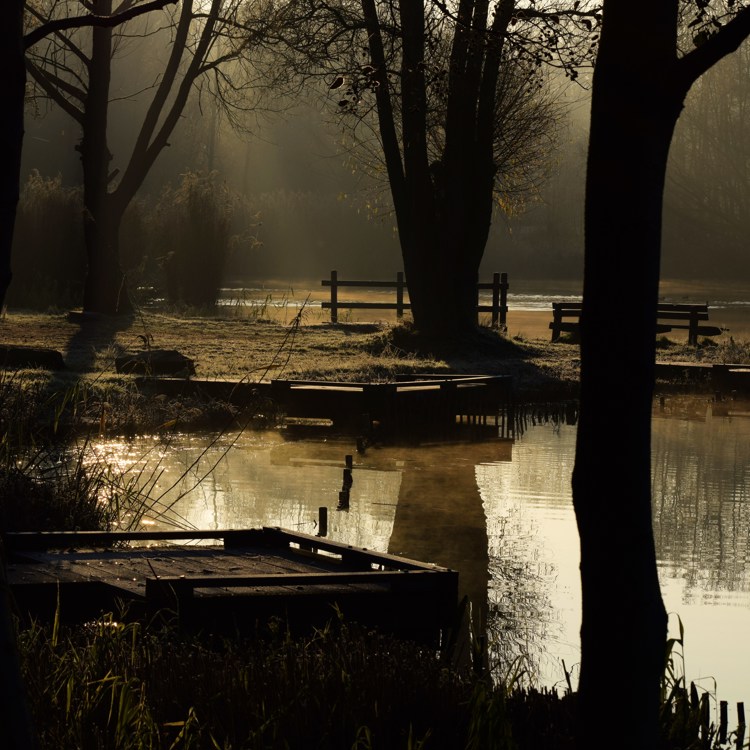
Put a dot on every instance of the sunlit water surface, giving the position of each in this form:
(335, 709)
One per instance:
(501, 514)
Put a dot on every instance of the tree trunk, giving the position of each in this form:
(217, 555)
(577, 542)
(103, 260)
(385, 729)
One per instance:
(623, 630)
(443, 210)
(17, 728)
(104, 288)
(13, 64)
(442, 290)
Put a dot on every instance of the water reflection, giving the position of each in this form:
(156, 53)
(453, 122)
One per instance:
(533, 550)
(506, 525)
(701, 509)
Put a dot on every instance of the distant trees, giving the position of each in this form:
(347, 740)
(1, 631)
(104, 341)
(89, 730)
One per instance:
(707, 199)
(641, 80)
(461, 123)
(211, 50)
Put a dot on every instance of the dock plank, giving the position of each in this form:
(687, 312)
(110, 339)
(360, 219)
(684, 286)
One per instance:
(254, 576)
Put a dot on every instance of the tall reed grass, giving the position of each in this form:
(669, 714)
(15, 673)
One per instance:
(115, 685)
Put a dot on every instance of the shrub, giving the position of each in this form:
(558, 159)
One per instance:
(193, 224)
(49, 260)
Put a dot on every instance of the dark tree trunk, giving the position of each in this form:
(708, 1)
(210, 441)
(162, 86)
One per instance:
(14, 69)
(104, 289)
(623, 633)
(443, 210)
(15, 721)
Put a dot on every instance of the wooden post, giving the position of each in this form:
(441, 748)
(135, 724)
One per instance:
(740, 725)
(334, 297)
(504, 301)
(693, 331)
(322, 521)
(723, 720)
(556, 321)
(495, 299)
(400, 295)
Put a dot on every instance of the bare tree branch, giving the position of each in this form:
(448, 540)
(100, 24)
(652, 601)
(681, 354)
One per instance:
(76, 22)
(718, 45)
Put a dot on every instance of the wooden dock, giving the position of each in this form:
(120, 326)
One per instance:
(438, 405)
(239, 585)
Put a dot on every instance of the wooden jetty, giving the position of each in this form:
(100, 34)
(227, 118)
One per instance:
(240, 585)
(438, 405)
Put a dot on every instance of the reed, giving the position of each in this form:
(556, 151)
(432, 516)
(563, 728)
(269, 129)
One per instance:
(115, 685)
(112, 685)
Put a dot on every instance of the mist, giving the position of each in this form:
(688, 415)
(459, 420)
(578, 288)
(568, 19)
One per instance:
(314, 208)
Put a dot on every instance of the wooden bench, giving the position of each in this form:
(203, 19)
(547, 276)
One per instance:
(567, 317)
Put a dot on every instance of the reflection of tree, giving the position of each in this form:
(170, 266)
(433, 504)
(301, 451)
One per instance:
(701, 510)
(439, 518)
(519, 611)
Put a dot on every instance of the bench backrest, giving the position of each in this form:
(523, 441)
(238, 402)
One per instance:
(664, 310)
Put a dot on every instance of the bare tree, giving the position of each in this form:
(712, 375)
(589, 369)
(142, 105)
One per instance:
(641, 79)
(213, 48)
(13, 43)
(461, 118)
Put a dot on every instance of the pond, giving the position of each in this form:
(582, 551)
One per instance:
(500, 513)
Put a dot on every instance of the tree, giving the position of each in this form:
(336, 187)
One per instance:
(640, 82)
(13, 43)
(459, 119)
(209, 50)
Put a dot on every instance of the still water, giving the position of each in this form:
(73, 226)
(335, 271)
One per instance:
(501, 514)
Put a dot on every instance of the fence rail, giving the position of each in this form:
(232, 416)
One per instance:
(498, 306)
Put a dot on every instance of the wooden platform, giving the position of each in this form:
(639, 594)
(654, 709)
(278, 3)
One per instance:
(434, 404)
(237, 586)
(423, 404)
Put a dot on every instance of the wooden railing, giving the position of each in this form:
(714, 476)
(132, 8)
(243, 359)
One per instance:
(498, 306)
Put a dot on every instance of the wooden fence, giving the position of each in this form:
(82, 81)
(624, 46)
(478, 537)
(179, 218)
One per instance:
(498, 307)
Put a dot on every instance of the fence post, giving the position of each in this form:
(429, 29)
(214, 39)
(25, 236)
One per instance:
(504, 301)
(334, 297)
(499, 300)
(495, 298)
(400, 294)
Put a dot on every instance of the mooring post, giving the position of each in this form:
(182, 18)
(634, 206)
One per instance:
(723, 722)
(348, 480)
(740, 725)
(322, 521)
(334, 297)
(400, 294)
